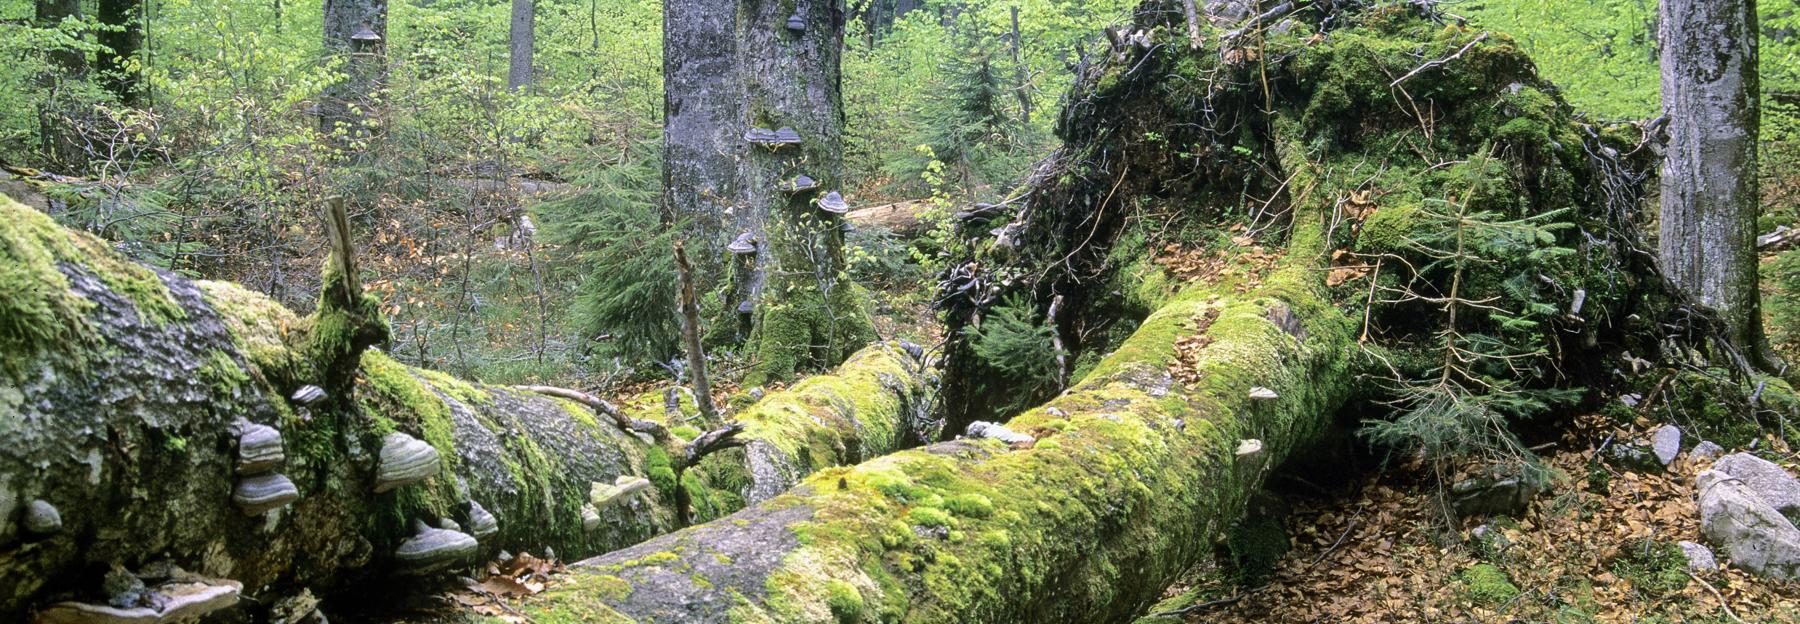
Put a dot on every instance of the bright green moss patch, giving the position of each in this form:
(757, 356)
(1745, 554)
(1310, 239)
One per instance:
(845, 602)
(1488, 585)
(930, 517)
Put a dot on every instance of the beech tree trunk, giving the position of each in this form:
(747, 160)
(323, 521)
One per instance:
(56, 134)
(524, 18)
(736, 67)
(121, 390)
(347, 102)
(126, 16)
(1710, 95)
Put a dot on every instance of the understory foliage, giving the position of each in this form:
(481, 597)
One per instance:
(1020, 346)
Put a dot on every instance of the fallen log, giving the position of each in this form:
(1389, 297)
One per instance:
(1129, 478)
(161, 419)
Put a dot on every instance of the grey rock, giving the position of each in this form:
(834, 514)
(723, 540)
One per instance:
(1490, 495)
(1666, 443)
(260, 493)
(1750, 532)
(430, 550)
(1706, 450)
(1770, 482)
(42, 518)
(1699, 557)
(1633, 457)
(259, 449)
(482, 524)
(405, 460)
(123, 589)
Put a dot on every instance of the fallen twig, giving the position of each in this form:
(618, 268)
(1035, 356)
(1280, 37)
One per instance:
(1715, 593)
(601, 406)
(1439, 62)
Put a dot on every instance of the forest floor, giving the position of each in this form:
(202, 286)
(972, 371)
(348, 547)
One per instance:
(1598, 546)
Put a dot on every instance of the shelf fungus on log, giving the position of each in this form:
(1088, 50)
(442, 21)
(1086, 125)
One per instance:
(993, 431)
(834, 203)
(773, 139)
(260, 493)
(405, 460)
(796, 23)
(176, 601)
(590, 517)
(259, 449)
(308, 395)
(433, 549)
(744, 244)
(800, 184)
(482, 523)
(1263, 394)
(42, 518)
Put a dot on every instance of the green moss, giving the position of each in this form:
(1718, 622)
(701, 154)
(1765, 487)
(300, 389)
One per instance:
(1256, 546)
(930, 517)
(1488, 585)
(1655, 568)
(1388, 229)
(845, 602)
(969, 505)
(38, 311)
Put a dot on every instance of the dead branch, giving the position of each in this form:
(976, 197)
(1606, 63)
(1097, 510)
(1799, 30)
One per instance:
(1439, 62)
(603, 407)
(690, 334)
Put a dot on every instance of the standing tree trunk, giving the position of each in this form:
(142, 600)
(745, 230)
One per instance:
(518, 73)
(56, 132)
(754, 103)
(122, 44)
(357, 31)
(1709, 187)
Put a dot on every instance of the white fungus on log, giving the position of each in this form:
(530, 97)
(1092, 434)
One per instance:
(259, 449)
(405, 460)
(482, 524)
(1263, 394)
(602, 495)
(430, 549)
(181, 601)
(834, 203)
(42, 518)
(308, 395)
(984, 429)
(260, 493)
(590, 517)
(744, 244)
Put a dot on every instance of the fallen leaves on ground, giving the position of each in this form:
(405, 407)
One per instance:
(1384, 555)
(507, 581)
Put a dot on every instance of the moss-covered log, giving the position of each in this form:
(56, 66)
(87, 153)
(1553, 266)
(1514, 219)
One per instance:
(123, 391)
(1131, 475)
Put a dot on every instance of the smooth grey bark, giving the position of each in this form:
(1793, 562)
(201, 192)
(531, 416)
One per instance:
(348, 101)
(1710, 95)
(524, 18)
(729, 68)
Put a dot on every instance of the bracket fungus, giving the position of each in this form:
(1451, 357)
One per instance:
(405, 460)
(796, 23)
(590, 517)
(482, 524)
(259, 449)
(430, 549)
(180, 601)
(1263, 394)
(365, 35)
(834, 203)
(744, 244)
(773, 139)
(746, 306)
(800, 184)
(261, 493)
(42, 518)
(308, 395)
(602, 495)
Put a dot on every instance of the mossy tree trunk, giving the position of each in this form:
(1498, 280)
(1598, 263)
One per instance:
(1710, 203)
(121, 389)
(732, 68)
(1131, 477)
(355, 32)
